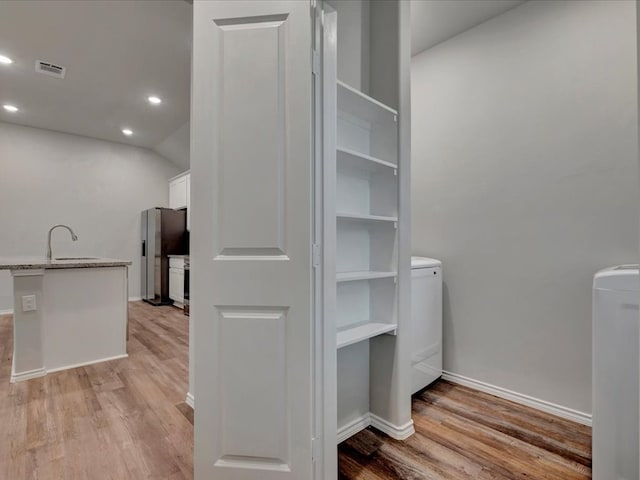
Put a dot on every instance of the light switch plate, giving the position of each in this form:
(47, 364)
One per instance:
(29, 303)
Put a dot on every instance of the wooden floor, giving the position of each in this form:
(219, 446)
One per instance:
(119, 420)
(465, 434)
(127, 419)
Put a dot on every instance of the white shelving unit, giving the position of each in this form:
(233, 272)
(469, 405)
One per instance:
(363, 332)
(362, 161)
(354, 276)
(366, 219)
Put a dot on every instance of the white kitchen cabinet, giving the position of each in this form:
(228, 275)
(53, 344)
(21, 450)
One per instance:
(180, 194)
(300, 153)
(179, 191)
(176, 281)
(176, 286)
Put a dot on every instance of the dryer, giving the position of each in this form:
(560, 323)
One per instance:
(426, 322)
(615, 373)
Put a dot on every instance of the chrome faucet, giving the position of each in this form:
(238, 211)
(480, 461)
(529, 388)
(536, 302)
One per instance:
(74, 237)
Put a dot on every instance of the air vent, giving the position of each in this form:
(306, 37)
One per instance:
(51, 69)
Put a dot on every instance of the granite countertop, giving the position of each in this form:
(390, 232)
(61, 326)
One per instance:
(33, 263)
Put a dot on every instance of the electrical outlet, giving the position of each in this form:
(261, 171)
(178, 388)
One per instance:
(29, 303)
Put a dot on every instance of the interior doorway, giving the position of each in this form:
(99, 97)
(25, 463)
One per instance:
(93, 129)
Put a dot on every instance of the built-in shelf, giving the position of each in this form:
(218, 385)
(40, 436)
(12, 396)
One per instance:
(362, 332)
(346, 156)
(368, 218)
(367, 186)
(367, 275)
(361, 105)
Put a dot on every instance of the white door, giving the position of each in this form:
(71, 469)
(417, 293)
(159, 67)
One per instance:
(251, 177)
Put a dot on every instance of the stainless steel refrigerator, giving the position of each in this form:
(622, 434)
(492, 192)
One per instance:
(164, 232)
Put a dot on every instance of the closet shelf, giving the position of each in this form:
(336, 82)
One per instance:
(362, 106)
(366, 275)
(346, 156)
(363, 332)
(369, 218)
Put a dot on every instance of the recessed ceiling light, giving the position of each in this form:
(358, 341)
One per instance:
(10, 108)
(5, 60)
(154, 100)
(128, 132)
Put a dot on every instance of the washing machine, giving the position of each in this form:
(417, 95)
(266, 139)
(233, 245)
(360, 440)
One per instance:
(615, 373)
(426, 322)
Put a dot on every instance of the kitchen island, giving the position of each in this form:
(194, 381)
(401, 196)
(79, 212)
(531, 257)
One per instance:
(67, 313)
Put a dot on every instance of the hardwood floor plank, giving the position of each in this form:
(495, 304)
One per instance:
(350, 468)
(505, 423)
(465, 434)
(36, 414)
(459, 465)
(557, 428)
(114, 420)
(517, 456)
(421, 460)
(385, 460)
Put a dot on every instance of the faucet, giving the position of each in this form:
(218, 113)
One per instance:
(74, 237)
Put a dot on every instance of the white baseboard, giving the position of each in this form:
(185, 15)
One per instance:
(20, 377)
(401, 432)
(41, 372)
(190, 400)
(353, 427)
(369, 419)
(542, 405)
(84, 364)
(135, 299)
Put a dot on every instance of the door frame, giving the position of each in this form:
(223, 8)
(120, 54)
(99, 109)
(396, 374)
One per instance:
(324, 34)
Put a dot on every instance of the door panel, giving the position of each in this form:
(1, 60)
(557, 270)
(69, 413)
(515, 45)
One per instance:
(248, 435)
(252, 217)
(251, 302)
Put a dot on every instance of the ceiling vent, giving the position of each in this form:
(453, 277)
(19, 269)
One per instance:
(51, 69)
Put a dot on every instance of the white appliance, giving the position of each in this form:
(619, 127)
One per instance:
(426, 322)
(615, 373)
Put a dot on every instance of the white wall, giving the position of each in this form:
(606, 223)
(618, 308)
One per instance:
(176, 146)
(97, 187)
(353, 38)
(525, 183)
